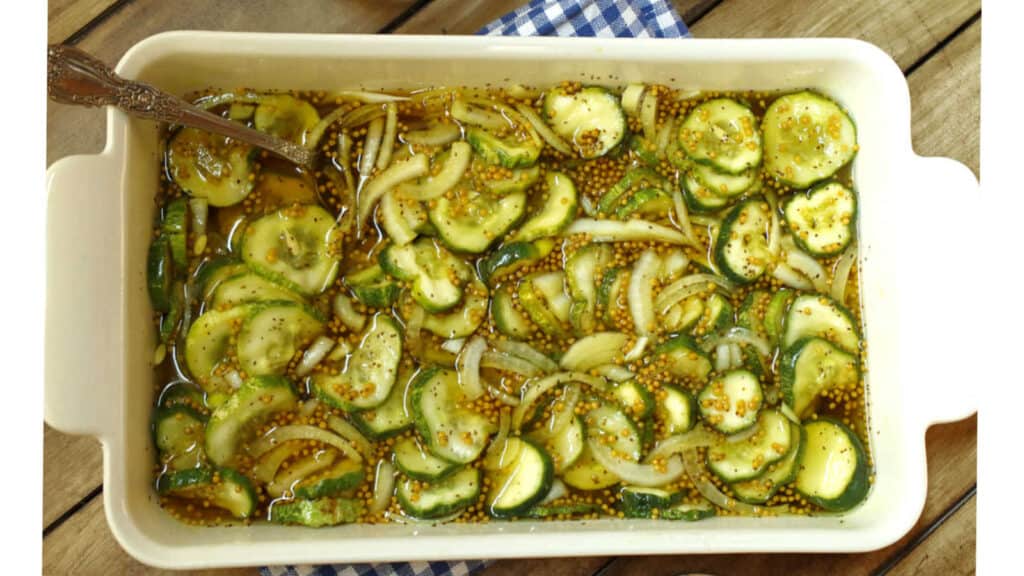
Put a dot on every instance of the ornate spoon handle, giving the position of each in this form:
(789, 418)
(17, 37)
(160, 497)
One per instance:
(75, 77)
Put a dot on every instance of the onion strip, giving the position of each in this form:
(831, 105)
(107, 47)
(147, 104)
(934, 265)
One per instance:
(699, 437)
(723, 359)
(398, 172)
(349, 432)
(313, 355)
(740, 335)
(494, 456)
(298, 471)
(345, 311)
(437, 135)
(468, 365)
(200, 209)
(649, 115)
(687, 286)
(509, 363)
(628, 231)
(534, 389)
(614, 372)
(775, 229)
(691, 461)
(641, 292)
(383, 487)
(303, 432)
(683, 216)
(265, 470)
(387, 144)
(637, 474)
(841, 273)
(561, 418)
(545, 131)
(783, 273)
(311, 138)
(362, 115)
(371, 145)
(365, 96)
(526, 352)
(502, 396)
(803, 262)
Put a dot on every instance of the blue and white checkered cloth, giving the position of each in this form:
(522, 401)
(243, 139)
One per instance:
(602, 18)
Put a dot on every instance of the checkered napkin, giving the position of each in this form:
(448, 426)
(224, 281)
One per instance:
(604, 18)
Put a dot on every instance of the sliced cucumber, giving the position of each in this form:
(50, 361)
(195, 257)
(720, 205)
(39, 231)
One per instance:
(317, 513)
(214, 271)
(286, 117)
(441, 498)
(582, 270)
(683, 358)
(724, 184)
(185, 394)
(391, 417)
(722, 133)
(822, 220)
(759, 490)
(249, 287)
(170, 321)
(208, 344)
(373, 287)
(640, 502)
(562, 510)
(221, 487)
(612, 302)
(507, 318)
(819, 316)
(273, 333)
(471, 221)
(608, 424)
(178, 434)
(453, 164)
(437, 276)
(752, 312)
(700, 198)
(521, 483)
(807, 138)
(645, 202)
(688, 512)
(813, 366)
(160, 273)
(675, 410)
(463, 320)
(343, 476)
(401, 217)
(511, 257)
(634, 179)
(683, 317)
(542, 296)
(256, 400)
(566, 446)
(731, 403)
(557, 212)
(748, 458)
(211, 166)
(634, 398)
(175, 228)
(775, 313)
(594, 350)
(833, 471)
(415, 461)
(298, 246)
(510, 151)
(591, 119)
(520, 180)
(741, 251)
(452, 432)
(369, 372)
(717, 315)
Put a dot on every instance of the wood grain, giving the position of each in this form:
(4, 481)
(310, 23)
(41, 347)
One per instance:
(949, 550)
(907, 29)
(84, 546)
(72, 130)
(72, 468)
(65, 17)
(945, 96)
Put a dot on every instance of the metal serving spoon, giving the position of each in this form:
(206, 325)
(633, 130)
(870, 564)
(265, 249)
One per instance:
(75, 77)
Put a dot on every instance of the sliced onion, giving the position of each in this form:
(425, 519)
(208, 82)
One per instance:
(414, 323)
(349, 432)
(309, 407)
(453, 345)
(341, 349)
(691, 460)
(632, 96)
(493, 457)
(594, 350)
(368, 97)
(371, 146)
(298, 471)
(234, 379)
(641, 292)
(313, 355)
(736, 354)
(311, 138)
(438, 134)
(346, 312)
(708, 221)
(775, 230)
(740, 335)
(588, 205)
(637, 350)
(398, 172)
(362, 115)
(783, 273)
(549, 136)
(841, 273)
(267, 467)
(628, 231)
(649, 115)
(534, 389)
(200, 209)
(557, 491)
(399, 518)
(342, 161)
(303, 432)
(632, 472)
(561, 419)
(722, 358)
(387, 143)
(526, 352)
(468, 364)
(741, 435)
(699, 437)
(383, 487)
(614, 372)
(685, 287)
(480, 112)
(666, 134)
(788, 413)
(804, 263)
(502, 396)
(682, 215)
(509, 363)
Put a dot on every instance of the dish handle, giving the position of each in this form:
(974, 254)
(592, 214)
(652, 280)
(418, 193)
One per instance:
(83, 294)
(941, 340)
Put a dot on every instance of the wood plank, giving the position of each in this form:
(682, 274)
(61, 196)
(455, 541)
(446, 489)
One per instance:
(468, 16)
(72, 468)
(949, 550)
(946, 101)
(952, 470)
(906, 29)
(84, 545)
(65, 17)
(73, 130)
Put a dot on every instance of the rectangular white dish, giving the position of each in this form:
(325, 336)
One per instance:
(99, 334)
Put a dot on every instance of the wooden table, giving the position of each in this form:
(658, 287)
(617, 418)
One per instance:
(936, 42)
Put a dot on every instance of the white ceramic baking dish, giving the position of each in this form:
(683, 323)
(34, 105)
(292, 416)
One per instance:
(99, 337)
